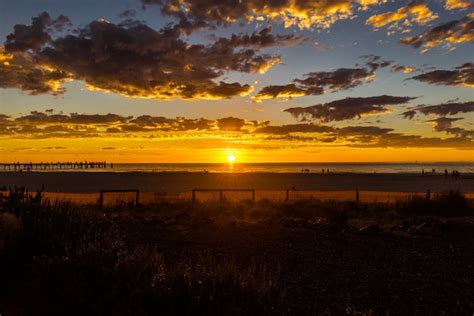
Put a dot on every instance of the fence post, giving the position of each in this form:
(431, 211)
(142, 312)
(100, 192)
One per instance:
(357, 195)
(253, 195)
(221, 196)
(101, 199)
(194, 196)
(287, 194)
(428, 194)
(137, 196)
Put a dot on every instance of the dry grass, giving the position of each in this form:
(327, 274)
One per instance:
(67, 244)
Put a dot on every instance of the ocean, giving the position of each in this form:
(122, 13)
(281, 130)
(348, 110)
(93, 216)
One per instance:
(439, 167)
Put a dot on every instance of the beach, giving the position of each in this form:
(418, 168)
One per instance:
(171, 182)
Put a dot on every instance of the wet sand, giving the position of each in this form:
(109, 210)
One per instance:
(88, 182)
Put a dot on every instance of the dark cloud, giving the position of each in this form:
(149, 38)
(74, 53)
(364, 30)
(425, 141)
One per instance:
(135, 60)
(441, 109)
(261, 39)
(34, 36)
(295, 128)
(449, 33)
(317, 83)
(460, 76)
(230, 124)
(441, 124)
(348, 108)
(22, 72)
(444, 124)
(374, 62)
(73, 118)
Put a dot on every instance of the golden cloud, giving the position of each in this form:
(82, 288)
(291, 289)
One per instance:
(301, 13)
(414, 12)
(458, 4)
(449, 33)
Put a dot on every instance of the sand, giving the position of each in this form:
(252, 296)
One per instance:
(88, 182)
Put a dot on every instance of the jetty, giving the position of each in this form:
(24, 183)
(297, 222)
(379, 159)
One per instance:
(19, 166)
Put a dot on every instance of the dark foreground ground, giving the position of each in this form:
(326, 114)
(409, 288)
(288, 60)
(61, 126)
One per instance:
(304, 257)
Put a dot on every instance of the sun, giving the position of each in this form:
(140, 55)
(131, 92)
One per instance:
(230, 158)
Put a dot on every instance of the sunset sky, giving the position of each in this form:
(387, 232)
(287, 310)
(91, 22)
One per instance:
(266, 81)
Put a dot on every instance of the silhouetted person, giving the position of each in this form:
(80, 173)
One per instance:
(294, 189)
(445, 173)
(111, 165)
(322, 171)
(434, 171)
(422, 172)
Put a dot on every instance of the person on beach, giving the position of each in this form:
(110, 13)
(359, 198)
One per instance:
(445, 173)
(422, 172)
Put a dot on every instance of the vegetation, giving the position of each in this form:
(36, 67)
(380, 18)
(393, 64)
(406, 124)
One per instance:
(79, 260)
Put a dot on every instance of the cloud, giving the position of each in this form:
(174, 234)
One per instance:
(444, 124)
(295, 128)
(73, 118)
(448, 33)
(88, 125)
(238, 131)
(301, 13)
(54, 148)
(134, 60)
(458, 4)
(375, 62)
(441, 109)
(261, 39)
(462, 76)
(317, 83)
(401, 68)
(20, 71)
(230, 124)
(441, 124)
(415, 11)
(34, 36)
(346, 109)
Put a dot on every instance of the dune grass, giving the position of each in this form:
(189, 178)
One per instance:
(82, 264)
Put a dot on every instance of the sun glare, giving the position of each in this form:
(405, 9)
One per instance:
(231, 158)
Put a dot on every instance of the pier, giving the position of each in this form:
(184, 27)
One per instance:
(19, 166)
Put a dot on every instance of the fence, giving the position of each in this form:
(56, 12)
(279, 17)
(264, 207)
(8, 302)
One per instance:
(110, 197)
(221, 192)
(102, 192)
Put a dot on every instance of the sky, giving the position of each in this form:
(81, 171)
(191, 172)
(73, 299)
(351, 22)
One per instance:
(265, 81)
